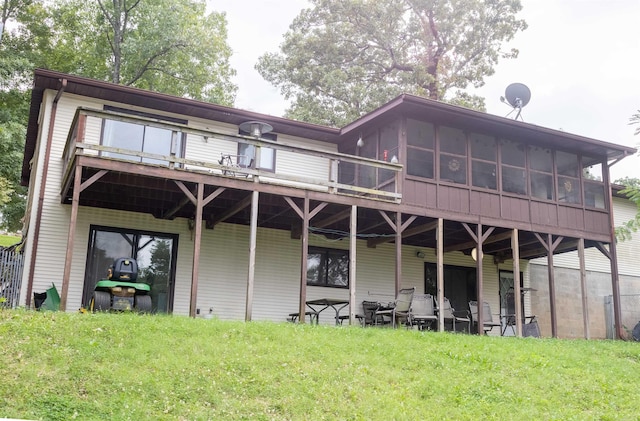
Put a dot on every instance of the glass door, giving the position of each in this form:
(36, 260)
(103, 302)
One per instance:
(154, 252)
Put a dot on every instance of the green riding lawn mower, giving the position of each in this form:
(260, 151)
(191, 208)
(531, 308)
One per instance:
(120, 291)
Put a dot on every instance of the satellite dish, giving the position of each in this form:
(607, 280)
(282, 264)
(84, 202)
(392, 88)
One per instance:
(517, 95)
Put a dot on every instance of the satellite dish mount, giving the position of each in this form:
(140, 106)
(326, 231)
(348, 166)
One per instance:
(517, 95)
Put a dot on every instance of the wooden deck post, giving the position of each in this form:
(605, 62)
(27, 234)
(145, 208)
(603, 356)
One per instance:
(440, 270)
(253, 234)
(352, 263)
(583, 289)
(515, 250)
(196, 250)
(303, 262)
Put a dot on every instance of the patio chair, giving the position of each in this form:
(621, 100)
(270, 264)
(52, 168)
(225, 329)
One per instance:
(452, 316)
(399, 310)
(488, 323)
(529, 323)
(369, 309)
(422, 313)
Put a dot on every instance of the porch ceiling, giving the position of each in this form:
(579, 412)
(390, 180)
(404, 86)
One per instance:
(162, 198)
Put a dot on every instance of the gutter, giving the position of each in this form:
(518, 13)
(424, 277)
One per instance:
(45, 167)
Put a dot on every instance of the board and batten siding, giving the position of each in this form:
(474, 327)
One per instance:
(628, 251)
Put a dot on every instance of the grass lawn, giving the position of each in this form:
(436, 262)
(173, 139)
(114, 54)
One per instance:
(8, 240)
(59, 366)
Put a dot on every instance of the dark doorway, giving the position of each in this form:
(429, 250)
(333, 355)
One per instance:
(459, 284)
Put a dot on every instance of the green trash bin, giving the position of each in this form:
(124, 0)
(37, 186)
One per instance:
(49, 300)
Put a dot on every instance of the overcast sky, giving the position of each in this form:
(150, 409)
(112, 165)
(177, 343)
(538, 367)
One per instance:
(579, 58)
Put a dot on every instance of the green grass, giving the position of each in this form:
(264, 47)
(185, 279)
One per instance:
(8, 240)
(58, 366)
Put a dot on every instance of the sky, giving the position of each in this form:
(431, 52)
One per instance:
(579, 58)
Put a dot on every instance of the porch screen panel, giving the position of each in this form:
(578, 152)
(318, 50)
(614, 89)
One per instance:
(541, 164)
(453, 155)
(483, 161)
(420, 142)
(514, 176)
(593, 185)
(568, 181)
(367, 173)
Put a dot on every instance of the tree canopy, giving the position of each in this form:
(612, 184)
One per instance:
(169, 46)
(343, 58)
(632, 190)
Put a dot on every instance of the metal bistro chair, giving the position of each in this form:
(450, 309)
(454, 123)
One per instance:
(488, 323)
(369, 317)
(451, 315)
(400, 308)
(422, 313)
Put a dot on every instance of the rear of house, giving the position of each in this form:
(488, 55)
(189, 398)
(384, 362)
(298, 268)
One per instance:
(248, 216)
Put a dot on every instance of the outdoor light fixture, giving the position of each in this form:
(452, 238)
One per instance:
(474, 254)
(256, 128)
(420, 254)
(360, 142)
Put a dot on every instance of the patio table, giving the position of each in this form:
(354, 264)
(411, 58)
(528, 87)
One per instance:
(321, 304)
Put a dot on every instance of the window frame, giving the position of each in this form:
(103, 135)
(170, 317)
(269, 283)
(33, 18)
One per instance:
(325, 261)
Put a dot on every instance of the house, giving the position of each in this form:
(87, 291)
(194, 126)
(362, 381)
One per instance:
(247, 216)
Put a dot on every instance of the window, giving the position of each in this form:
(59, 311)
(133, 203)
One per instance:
(514, 176)
(483, 161)
(541, 164)
(328, 267)
(247, 154)
(420, 141)
(141, 138)
(453, 155)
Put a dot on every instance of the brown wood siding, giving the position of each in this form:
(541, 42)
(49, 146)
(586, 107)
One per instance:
(595, 221)
(544, 213)
(515, 209)
(570, 217)
(453, 199)
(417, 193)
(485, 204)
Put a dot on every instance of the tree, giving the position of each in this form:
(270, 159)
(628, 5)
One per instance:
(169, 46)
(343, 58)
(632, 190)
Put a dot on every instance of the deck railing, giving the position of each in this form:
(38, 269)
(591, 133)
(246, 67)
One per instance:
(83, 138)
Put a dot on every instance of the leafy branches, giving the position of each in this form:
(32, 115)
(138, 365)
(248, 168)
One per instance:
(341, 59)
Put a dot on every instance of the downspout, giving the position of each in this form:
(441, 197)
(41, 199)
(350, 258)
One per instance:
(45, 166)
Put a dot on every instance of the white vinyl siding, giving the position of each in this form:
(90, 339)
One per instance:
(628, 251)
(222, 283)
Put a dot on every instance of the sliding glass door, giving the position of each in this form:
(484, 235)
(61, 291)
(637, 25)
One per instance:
(154, 252)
